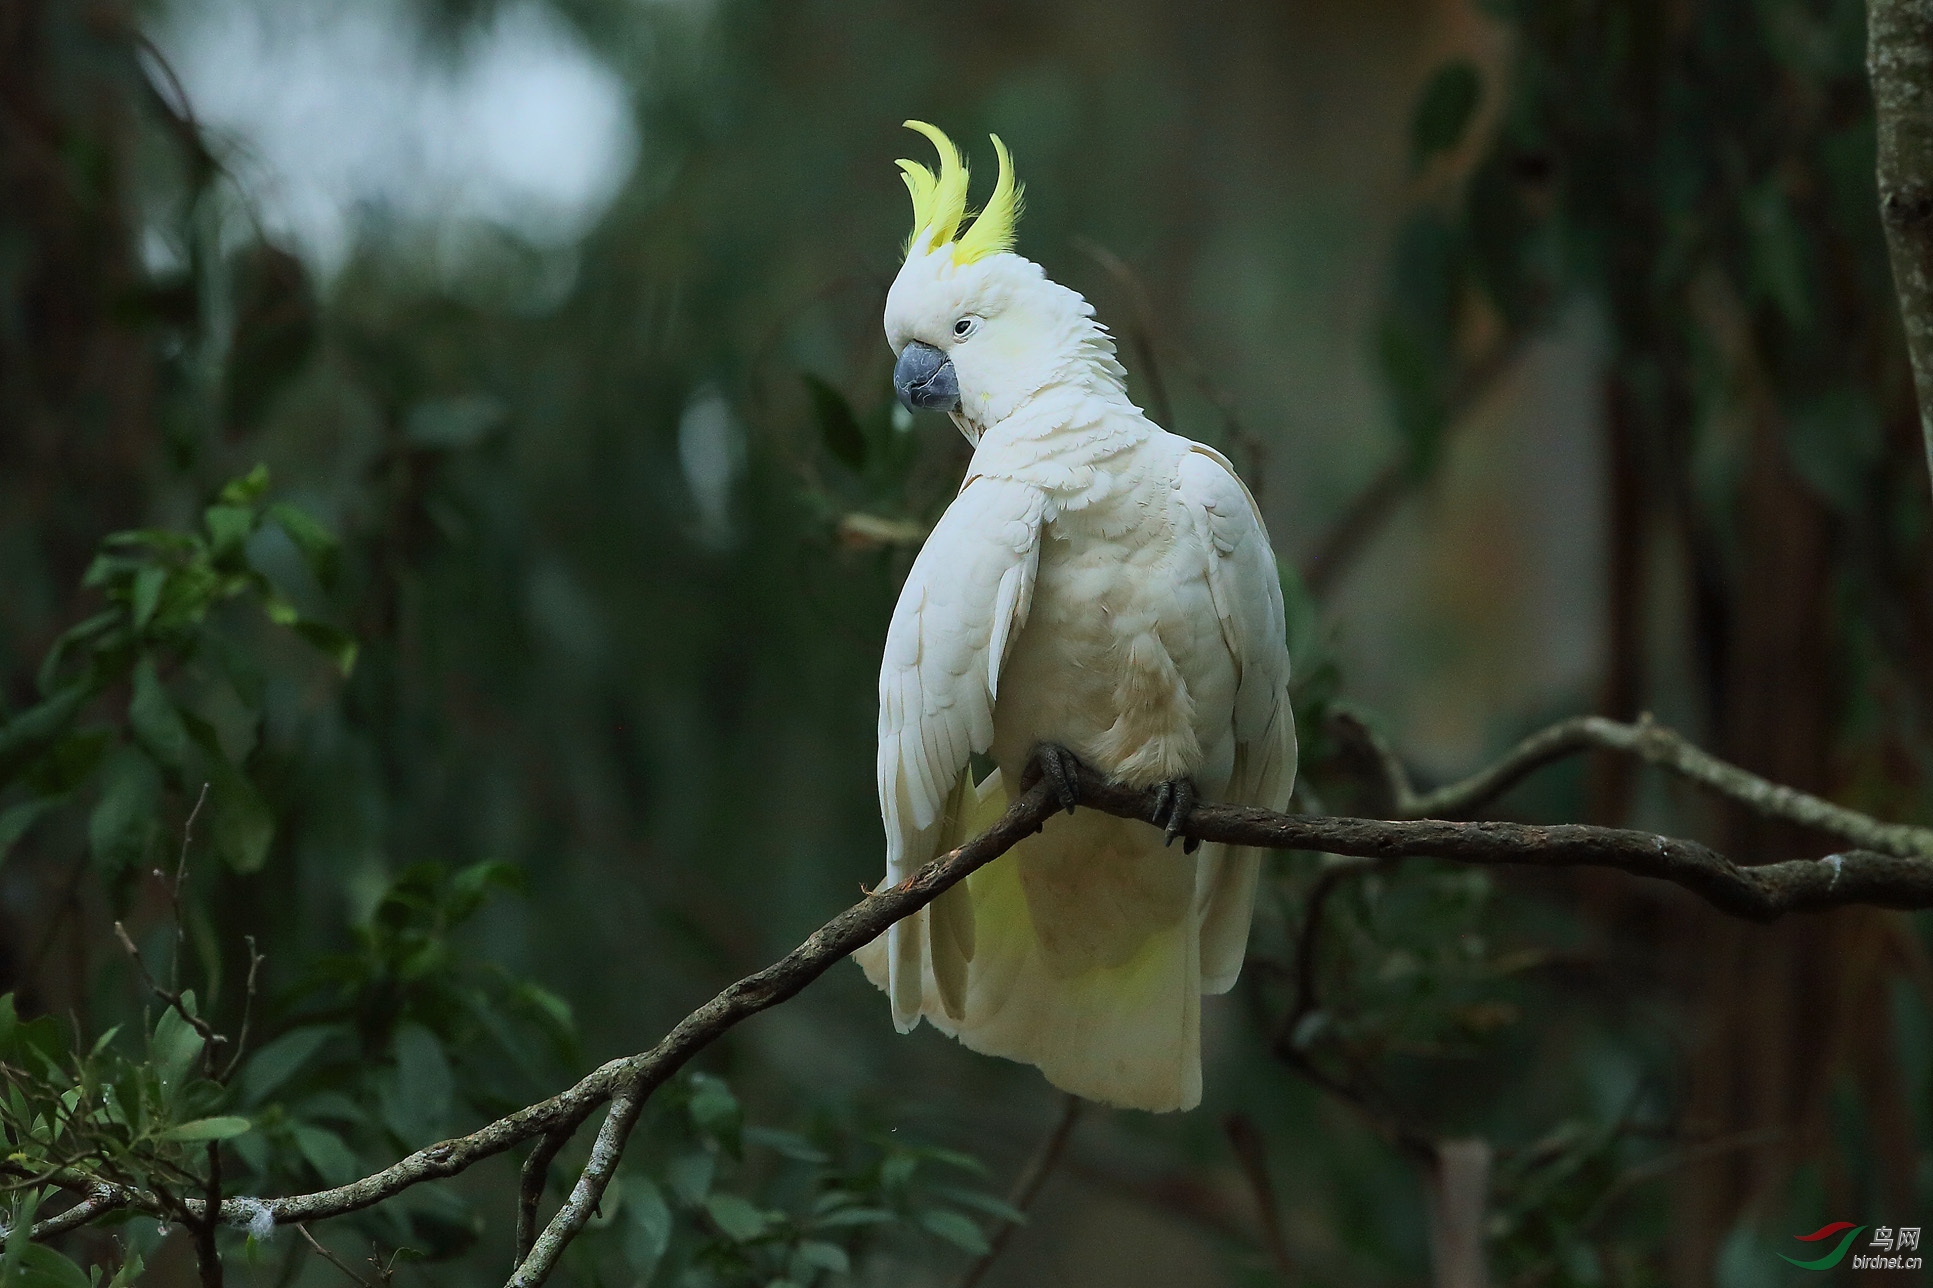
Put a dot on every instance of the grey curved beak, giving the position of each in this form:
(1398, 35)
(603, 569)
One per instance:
(924, 377)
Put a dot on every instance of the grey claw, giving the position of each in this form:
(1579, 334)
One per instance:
(1176, 801)
(1058, 767)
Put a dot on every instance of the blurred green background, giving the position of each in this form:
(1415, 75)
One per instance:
(1555, 336)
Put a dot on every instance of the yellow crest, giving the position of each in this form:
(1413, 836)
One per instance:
(939, 204)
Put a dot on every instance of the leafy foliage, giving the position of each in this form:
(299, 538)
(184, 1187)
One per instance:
(709, 1201)
(165, 643)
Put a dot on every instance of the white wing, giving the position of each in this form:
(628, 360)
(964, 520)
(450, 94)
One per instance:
(959, 613)
(1247, 594)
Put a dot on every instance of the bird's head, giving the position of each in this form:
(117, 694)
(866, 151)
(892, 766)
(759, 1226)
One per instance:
(977, 329)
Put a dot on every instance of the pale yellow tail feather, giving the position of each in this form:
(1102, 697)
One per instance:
(1229, 875)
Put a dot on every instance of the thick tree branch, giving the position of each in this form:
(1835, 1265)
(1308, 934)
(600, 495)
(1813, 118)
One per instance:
(1762, 893)
(851, 929)
(606, 1153)
(1899, 58)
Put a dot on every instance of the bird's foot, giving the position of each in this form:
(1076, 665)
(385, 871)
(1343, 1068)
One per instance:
(1174, 801)
(1062, 770)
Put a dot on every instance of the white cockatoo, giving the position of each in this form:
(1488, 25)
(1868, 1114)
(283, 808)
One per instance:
(1100, 588)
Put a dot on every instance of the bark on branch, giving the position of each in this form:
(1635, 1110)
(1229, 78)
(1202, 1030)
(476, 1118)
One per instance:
(1899, 58)
(1900, 877)
(1655, 744)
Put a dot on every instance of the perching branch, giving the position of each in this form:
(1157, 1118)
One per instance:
(1899, 58)
(1902, 877)
(1657, 745)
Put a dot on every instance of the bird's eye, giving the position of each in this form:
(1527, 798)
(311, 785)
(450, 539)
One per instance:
(965, 327)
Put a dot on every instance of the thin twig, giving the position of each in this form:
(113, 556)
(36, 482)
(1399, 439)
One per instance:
(530, 1188)
(332, 1258)
(1658, 745)
(1027, 1188)
(255, 960)
(1251, 1151)
(174, 891)
(169, 997)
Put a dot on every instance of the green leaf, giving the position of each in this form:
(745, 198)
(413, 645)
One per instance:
(956, 1228)
(716, 1113)
(690, 1175)
(854, 1216)
(145, 596)
(1445, 109)
(156, 722)
(648, 1223)
(175, 1048)
(240, 824)
(28, 733)
(838, 426)
(339, 645)
(219, 1128)
(982, 1202)
(39, 1266)
(736, 1218)
(789, 1144)
(275, 1063)
(326, 1153)
(815, 1255)
(130, 1271)
(896, 1173)
(319, 547)
(125, 819)
(418, 1092)
(246, 489)
(17, 819)
(965, 1162)
(229, 527)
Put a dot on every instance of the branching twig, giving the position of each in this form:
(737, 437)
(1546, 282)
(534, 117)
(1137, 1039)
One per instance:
(255, 960)
(530, 1189)
(606, 1152)
(1657, 745)
(1026, 1189)
(1755, 893)
(171, 998)
(332, 1258)
(174, 892)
